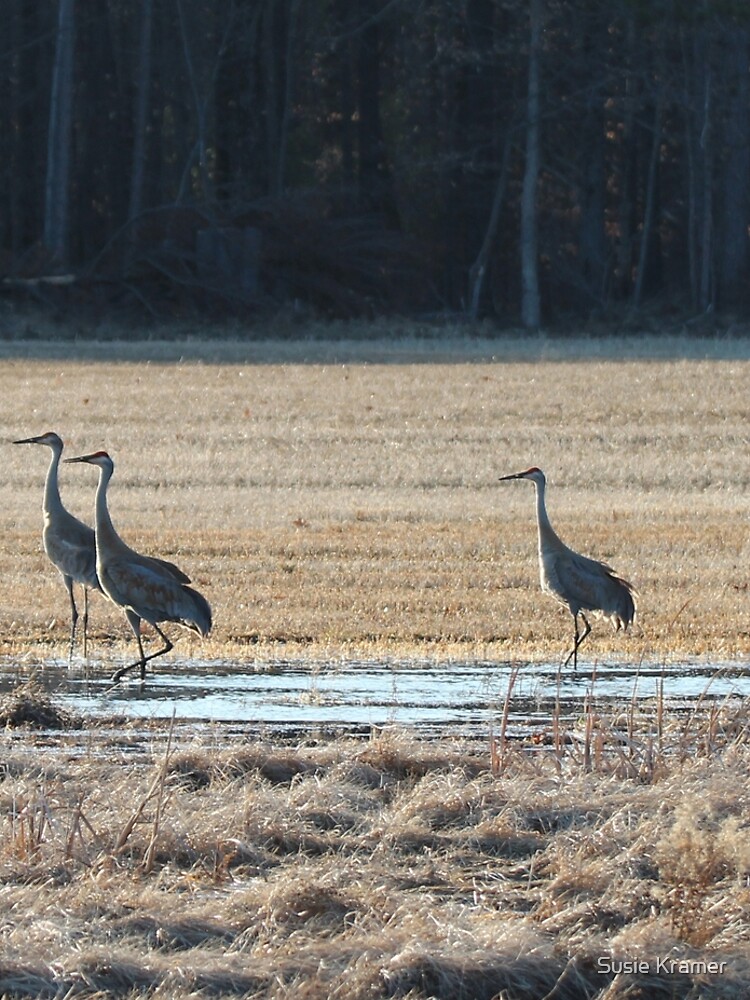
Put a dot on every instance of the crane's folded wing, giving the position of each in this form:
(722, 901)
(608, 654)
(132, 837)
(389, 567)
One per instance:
(148, 589)
(72, 559)
(589, 585)
(169, 567)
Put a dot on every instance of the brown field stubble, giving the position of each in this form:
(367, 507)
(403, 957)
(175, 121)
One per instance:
(340, 502)
(347, 505)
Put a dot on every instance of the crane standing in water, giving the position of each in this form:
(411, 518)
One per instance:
(148, 589)
(68, 542)
(580, 583)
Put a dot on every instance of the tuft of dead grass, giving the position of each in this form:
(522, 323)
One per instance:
(28, 705)
(440, 878)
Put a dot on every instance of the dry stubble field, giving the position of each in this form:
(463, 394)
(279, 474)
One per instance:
(341, 498)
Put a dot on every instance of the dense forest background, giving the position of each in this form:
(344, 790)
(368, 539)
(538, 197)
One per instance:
(534, 161)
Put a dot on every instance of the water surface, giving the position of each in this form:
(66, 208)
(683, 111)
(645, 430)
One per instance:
(360, 695)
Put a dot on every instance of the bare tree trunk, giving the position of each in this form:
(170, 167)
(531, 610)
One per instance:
(202, 69)
(140, 122)
(376, 191)
(279, 34)
(688, 75)
(59, 137)
(200, 105)
(15, 159)
(731, 278)
(286, 109)
(627, 180)
(648, 213)
(705, 286)
(530, 306)
(270, 96)
(478, 269)
(593, 165)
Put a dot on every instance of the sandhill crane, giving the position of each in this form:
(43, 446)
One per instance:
(68, 542)
(148, 589)
(580, 583)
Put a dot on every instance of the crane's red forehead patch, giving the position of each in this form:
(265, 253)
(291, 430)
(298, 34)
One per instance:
(532, 469)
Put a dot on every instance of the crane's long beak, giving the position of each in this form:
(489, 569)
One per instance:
(515, 475)
(95, 458)
(34, 440)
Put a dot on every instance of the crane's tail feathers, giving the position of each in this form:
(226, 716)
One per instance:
(201, 619)
(624, 614)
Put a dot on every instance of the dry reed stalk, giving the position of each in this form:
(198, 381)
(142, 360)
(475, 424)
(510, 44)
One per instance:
(494, 753)
(589, 721)
(694, 715)
(498, 758)
(557, 737)
(30, 820)
(156, 788)
(148, 857)
(660, 712)
(75, 831)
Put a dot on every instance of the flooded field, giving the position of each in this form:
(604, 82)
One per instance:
(289, 697)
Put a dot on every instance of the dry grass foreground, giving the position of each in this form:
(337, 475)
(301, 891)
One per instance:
(342, 504)
(341, 495)
(170, 863)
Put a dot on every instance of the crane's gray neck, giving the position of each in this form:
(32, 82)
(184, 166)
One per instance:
(105, 532)
(51, 499)
(547, 533)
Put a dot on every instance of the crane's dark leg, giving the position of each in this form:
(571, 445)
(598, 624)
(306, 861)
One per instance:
(68, 581)
(168, 644)
(577, 639)
(135, 624)
(85, 622)
(582, 636)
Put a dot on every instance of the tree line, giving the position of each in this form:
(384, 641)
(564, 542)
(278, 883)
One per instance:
(529, 160)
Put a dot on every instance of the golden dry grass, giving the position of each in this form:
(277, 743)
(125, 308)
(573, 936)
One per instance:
(189, 864)
(345, 494)
(339, 497)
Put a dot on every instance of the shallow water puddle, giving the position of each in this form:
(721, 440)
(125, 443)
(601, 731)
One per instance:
(362, 694)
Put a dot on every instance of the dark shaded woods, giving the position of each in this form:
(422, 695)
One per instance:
(534, 161)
